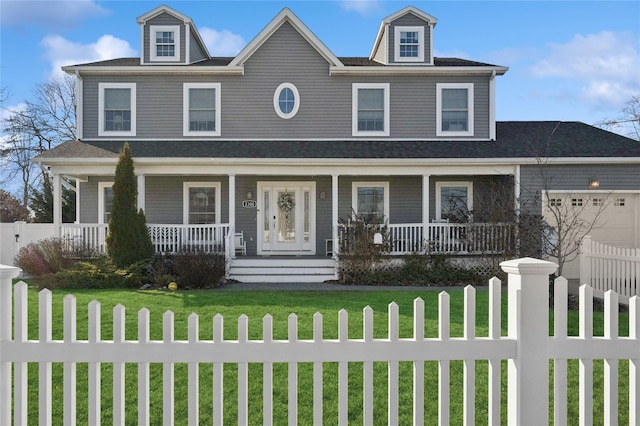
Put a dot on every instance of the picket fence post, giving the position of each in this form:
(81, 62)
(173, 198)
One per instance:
(528, 382)
(7, 273)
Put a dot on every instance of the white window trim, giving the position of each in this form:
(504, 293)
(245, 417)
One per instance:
(470, 102)
(185, 198)
(354, 111)
(101, 88)
(276, 101)
(397, 57)
(354, 195)
(152, 43)
(101, 188)
(185, 108)
(461, 184)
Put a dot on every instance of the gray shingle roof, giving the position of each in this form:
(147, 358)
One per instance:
(515, 139)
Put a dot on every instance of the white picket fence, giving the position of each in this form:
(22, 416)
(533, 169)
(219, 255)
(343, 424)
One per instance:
(606, 267)
(527, 347)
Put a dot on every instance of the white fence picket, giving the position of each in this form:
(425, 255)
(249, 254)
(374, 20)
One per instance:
(528, 331)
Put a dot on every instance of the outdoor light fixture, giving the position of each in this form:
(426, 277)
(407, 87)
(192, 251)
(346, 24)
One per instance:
(249, 195)
(594, 184)
(323, 195)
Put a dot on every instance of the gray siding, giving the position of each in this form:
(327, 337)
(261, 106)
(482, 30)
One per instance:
(575, 177)
(196, 53)
(325, 101)
(164, 19)
(89, 198)
(409, 20)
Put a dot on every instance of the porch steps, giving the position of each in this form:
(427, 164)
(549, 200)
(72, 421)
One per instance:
(282, 269)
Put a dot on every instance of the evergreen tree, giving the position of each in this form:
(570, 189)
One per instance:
(41, 202)
(128, 240)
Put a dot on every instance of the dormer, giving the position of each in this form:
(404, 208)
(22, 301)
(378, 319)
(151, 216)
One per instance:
(170, 38)
(405, 38)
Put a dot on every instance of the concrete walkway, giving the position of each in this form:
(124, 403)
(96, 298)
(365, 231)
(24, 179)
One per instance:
(328, 287)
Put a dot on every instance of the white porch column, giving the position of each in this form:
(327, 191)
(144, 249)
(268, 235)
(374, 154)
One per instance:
(77, 219)
(141, 192)
(57, 205)
(425, 209)
(334, 213)
(516, 189)
(232, 214)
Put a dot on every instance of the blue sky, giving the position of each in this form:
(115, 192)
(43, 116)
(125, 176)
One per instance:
(568, 60)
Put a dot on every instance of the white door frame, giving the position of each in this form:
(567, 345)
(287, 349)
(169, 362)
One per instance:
(266, 213)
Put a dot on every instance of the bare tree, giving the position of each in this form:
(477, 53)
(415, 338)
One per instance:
(43, 123)
(628, 119)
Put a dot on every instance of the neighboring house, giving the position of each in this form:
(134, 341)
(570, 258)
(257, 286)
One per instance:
(285, 139)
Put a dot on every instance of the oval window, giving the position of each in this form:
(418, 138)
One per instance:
(286, 100)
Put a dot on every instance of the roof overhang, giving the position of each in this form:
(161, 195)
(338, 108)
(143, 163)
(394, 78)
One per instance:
(417, 70)
(154, 70)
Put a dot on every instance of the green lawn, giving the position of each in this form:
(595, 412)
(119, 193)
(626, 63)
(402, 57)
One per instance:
(255, 304)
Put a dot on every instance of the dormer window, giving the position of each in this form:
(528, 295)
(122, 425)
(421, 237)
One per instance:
(165, 43)
(409, 44)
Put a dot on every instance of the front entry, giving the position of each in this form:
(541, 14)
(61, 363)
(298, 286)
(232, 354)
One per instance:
(286, 222)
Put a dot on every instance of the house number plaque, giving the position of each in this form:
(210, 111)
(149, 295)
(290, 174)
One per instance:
(249, 204)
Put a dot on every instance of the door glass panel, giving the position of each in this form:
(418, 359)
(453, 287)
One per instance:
(108, 204)
(265, 219)
(286, 217)
(307, 202)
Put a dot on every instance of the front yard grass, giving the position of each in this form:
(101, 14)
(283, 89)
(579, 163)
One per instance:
(255, 304)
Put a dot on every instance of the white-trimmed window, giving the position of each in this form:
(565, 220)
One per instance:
(454, 112)
(454, 201)
(165, 43)
(201, 202)
(201, 109)
(105, 201)
(116, 109)
(286, 100)
(370, 113)
(409, 44)
(371, 199)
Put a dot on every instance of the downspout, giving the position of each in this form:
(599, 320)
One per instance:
(79, 106)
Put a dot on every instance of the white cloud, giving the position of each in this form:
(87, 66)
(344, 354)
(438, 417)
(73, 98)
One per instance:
(363, 7)
(62, 52)
(221, 43)
(50, 14)
(604, 66)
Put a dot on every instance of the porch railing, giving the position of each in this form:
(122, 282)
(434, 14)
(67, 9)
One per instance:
(165, 238)
(450, 238)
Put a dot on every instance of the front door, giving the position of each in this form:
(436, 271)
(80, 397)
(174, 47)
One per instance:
(286, 219)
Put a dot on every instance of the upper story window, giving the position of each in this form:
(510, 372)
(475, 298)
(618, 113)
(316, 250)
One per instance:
(370, 113)
(409, 44)
(201, 109)
(117, 109)
(286, 100)
(165, 43)
(371, 199)
(454, 113)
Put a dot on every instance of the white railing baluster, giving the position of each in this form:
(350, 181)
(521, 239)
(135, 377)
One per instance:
(69, 368)
(118, 367)
(367, 394)
(418, 365)
(293, 372)
(317, 373)
(560, 307)
(143, 371)
(95, 381)
(44, 368)
(20, 368)
(218, 376)
(469, 365)
(168, 378)
(267, 373)
(443, 365)
(243, 374)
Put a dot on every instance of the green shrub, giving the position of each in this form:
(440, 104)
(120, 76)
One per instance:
(195, 269)
(43, 257)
